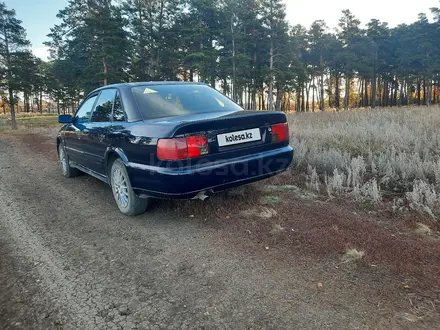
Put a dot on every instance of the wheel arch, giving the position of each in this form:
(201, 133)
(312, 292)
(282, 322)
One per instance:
(110, 156)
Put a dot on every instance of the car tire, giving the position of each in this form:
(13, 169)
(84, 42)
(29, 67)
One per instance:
(128, 202)
(67, 170)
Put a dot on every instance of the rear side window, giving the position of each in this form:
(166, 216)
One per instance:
(83, 114)
(156, 101)
(104, 106)
(118, 111)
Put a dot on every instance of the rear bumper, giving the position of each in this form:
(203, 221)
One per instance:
(187, 182)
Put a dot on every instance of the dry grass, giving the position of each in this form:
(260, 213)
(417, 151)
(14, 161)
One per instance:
(261, 212)
(371, 155)
(352, 255)
(423, 229)
(29, 121)
(277, 229)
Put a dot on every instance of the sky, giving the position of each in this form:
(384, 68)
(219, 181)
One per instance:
(38, 16)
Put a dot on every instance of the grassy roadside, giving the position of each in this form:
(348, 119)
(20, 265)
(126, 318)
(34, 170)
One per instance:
(372, 156)
(29, 120)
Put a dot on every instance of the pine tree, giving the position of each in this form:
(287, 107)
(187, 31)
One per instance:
(274, 20)
(13, 48)
(349, 33)
(92, 40)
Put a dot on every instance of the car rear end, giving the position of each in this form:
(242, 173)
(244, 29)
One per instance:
(215, 152)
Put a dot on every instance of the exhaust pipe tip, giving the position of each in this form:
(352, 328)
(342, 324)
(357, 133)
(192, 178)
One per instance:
(204, 194)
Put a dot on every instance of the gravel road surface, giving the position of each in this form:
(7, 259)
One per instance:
(70, 260)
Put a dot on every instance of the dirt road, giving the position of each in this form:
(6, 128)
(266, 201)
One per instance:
(70, 260)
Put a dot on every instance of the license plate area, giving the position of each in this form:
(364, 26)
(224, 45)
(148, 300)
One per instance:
(239, 137)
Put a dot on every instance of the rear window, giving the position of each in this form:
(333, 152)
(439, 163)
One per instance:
(155, 101)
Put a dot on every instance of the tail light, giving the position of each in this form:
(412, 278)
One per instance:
(280, 132)
(197, 146)
(182, 148)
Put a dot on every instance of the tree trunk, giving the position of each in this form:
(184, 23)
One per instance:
(347, 93)
(321, 84)
(41, 101)
(401, 92)
(373, 91)
(366, 94)
(307, 97)
(303, 105)
(26, 101)
(419, 98)
(361, 94)
(385, 94)
(437, 82)
(286, 101)
(313, 98)
(9, 76)
(233, 60)
(11, 107)
(271, 77)
(424, 91)
(337, 92)
(104, 64)
(331, 100)
(212, 70)
(280, 92)
(428, 92)
(380, 90)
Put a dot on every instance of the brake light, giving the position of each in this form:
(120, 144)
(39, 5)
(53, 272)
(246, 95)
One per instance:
(197, 146)
(172, 149)
(182, 148)
(280, 132)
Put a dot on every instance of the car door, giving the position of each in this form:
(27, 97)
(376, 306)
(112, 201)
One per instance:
(96, 136)
(74, 134)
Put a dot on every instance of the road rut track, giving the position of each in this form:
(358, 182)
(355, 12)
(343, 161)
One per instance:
(93, 268)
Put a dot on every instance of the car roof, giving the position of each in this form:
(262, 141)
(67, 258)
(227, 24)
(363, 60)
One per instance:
(147, 83)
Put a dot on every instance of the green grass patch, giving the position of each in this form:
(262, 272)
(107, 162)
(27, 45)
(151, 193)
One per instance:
(270, 200)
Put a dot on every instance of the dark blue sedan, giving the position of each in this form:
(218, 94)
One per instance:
(170, 140)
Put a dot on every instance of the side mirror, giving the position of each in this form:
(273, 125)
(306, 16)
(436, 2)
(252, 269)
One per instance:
(65, 119)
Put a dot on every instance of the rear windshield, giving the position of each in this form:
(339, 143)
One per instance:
(156, 101)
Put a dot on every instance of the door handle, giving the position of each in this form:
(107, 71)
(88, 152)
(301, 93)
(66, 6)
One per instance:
(85, 130)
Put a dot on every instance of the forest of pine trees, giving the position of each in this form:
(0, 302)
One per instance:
(245, 48)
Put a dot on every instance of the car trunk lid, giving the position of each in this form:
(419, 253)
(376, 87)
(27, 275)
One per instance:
(241, 131)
